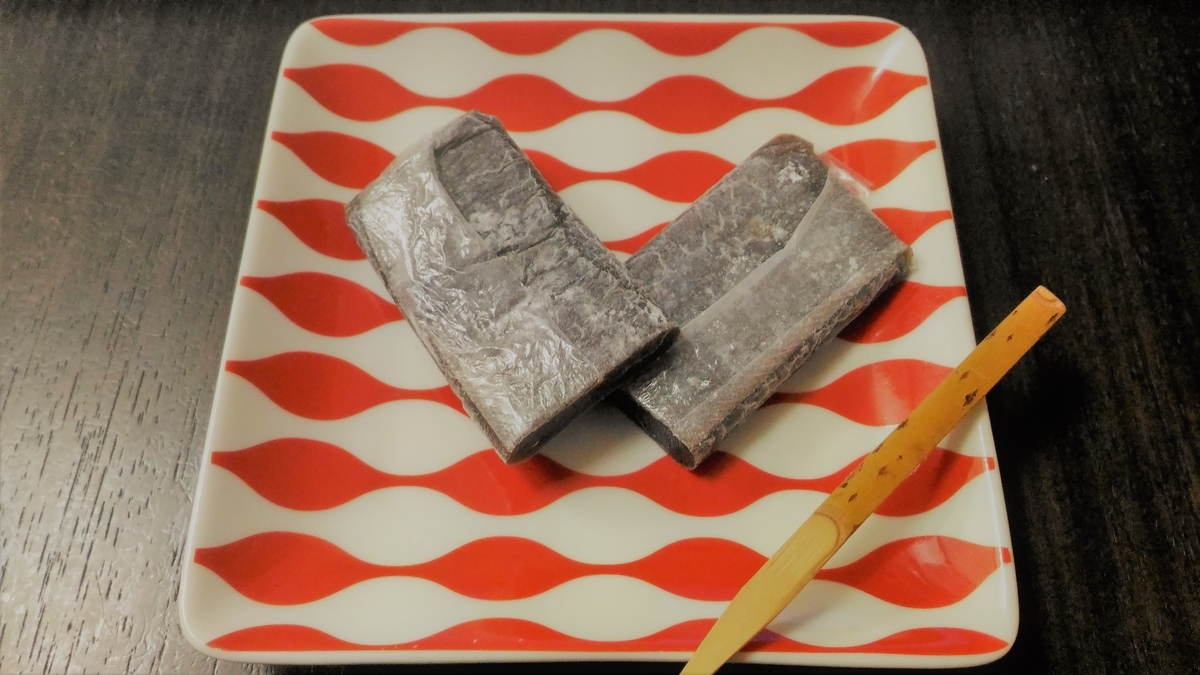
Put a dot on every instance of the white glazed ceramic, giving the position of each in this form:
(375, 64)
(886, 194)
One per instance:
(347, 511)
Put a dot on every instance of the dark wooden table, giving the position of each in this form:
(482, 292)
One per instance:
(129, 139)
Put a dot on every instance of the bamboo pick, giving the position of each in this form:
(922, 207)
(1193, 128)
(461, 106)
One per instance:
(780, 579)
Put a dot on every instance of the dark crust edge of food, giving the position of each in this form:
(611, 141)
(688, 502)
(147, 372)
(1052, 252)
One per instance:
(658, 432)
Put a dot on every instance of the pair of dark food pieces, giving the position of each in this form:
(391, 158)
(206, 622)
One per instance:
(533, 321)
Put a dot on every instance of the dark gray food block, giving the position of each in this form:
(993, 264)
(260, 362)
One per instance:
(764, 268)
(525, 311)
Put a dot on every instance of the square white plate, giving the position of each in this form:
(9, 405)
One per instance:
(347, 511)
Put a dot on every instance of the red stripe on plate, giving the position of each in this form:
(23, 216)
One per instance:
(502, 634)
(322, 387)
(899, 311)
(680, 104)
(325, 304)
(536, 37)
(876, 394)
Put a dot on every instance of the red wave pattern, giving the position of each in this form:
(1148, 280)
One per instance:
(678, 39)
(680, 176)
(681, 104)
(876, 394)
(332, 306)
(909, 225)
(302, 474)
(938, 478)
(290, 568)
(921, 572)
(319, 223)
(900, 310)
(631, 245)
(323, 387)
(848, 33)
(877, 161)
(352, 162)
(339, 158)
(325, 304)
(502, 634)
(309, 475)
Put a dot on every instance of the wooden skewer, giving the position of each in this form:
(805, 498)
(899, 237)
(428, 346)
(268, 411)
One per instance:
(805, 552)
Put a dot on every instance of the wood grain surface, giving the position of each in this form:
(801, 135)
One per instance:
(129, 140)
